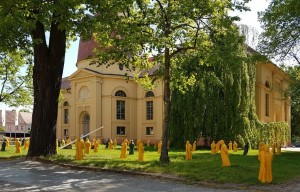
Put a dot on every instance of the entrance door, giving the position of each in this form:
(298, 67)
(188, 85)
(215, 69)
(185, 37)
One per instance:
(86, 125)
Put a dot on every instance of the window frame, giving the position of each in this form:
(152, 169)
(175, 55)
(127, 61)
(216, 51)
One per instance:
(121, 130)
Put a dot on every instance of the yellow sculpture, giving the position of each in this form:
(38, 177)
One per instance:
(213, 148)
(188, 151)
(137, 143)
(63, 142)
(141, 151)
(115, 143)
(110, 144)
(18, 146)
(159, 145)
(235, 146)
(123, 150)
(224, 155)
(68, 141)
(26, 144)
(230, 146)
(79, 144)
(260, 148)
(194, 146)
(265, 167)
(7, 142)
(148, 143)
(87, 147)
(96, 146)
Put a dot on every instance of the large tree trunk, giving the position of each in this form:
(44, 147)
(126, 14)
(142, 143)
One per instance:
(47, 74)
(164, 157)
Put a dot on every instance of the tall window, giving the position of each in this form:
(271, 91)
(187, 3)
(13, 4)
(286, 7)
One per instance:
(120, 105)
(66, 112)
(120, 109)
(66, 116)
(267, 105)
(149, 110)
(149, 106)
(149, 131)
(120, 130)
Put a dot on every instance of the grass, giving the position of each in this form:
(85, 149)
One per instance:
(203, 166)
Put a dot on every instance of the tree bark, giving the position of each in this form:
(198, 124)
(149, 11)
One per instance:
(47, 75)
(164, 157)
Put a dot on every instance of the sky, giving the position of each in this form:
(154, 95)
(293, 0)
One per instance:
(248, 18)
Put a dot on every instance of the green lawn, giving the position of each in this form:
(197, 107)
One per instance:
(203, 166)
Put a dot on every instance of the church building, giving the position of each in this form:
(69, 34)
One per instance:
(95, 97)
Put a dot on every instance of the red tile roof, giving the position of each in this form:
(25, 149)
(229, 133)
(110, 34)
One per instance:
(65, 83)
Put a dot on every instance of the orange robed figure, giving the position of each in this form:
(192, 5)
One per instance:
(141, 151)
(224, 155)
(18, 146)
(213, 148)
(123, 150)
(96, 146)
(230, 146)
(79, 144)
(159, 145)
(87, 147)
(188, 151)
(235, 146)
(265, 166)
(194, 146)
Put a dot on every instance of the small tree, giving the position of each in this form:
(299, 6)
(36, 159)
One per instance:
(130, 31)
(15, 79)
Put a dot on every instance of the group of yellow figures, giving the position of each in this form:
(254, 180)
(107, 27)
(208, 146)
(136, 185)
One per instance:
(189, 148)
(83, 147)
(265, 157)
(18, 145)
(140, 148)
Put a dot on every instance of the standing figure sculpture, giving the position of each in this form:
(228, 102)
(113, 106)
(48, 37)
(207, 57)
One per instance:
(18, 146)
(213, 148)
(141, 151)
(188, 151)
(230, 146)
(224, 155)
(265, 166)
(79, 144)
(123, 150)
(159, 145)
(87, 146)
(96, 146)
(194, 146)
(235, 146)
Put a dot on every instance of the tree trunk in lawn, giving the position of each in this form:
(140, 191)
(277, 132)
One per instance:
(47, 74)
(164, 157)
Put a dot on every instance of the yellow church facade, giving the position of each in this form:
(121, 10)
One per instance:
(95, 97)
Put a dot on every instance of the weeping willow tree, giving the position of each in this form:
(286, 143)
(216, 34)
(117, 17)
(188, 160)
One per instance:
(213, 93)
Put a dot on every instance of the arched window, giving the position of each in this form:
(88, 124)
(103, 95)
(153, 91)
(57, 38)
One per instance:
(267, 84)
(120, 105)
(66, 103)
(149, 106)
(120, 93)
(149, 94)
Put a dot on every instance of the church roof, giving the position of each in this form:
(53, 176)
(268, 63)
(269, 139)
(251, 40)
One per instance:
(65, 83)
(85, 49)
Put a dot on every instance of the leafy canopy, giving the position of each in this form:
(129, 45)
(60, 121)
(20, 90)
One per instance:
(281, 36)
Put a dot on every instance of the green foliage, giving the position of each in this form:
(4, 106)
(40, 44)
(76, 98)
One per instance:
(281, 35)
(219, 103)
(2, 129)
(293, 92)
(15, 78)
(273, 132)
